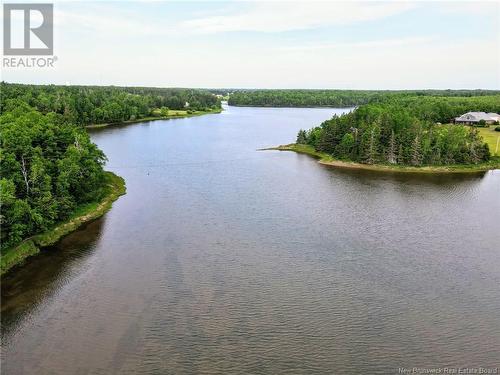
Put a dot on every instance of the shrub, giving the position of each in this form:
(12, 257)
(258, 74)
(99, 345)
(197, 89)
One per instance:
(497, 129)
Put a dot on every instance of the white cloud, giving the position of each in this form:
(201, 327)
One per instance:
(379, 44)
(285, 16)
(108, 44)
(474, 8)
(106, 20)
(261, 17)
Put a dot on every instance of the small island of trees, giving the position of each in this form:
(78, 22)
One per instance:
(405, 131)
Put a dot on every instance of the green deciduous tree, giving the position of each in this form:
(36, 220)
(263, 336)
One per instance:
(48, 167)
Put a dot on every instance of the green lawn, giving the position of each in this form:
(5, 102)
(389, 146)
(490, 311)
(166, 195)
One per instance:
(491, 137)
(172, 112)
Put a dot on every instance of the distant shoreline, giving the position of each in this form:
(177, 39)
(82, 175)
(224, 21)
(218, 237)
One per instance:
(154, 118)
(290, 106)
(326, 159)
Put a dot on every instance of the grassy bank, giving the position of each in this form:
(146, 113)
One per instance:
(329, 160)
(492, 138)
(115, 186)
(172, 114)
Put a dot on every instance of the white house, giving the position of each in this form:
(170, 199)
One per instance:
(473, 118)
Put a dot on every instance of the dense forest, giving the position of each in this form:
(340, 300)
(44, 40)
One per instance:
(48, 167)
(405, 130)
(84, 105)
(333, 98)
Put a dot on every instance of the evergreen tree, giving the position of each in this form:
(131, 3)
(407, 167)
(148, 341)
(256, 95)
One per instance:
(302, 137)
(403, 130)
(391, 151)
(416, 151)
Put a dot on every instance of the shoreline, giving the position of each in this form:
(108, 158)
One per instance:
(292, 106)
(84, 214)
(153, 118)
(328, 160)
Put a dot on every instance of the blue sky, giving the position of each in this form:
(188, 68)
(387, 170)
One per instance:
(351, 45)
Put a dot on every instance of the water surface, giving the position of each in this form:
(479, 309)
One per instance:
(224, 259)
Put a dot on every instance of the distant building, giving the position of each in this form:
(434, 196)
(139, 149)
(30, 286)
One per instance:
(473, 118)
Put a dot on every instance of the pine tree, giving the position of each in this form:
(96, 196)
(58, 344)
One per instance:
(401, 156)
(416, 151)
(302, 137)
(371, 144)
(391, 152)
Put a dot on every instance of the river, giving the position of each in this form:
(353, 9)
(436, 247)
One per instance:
(224, 259)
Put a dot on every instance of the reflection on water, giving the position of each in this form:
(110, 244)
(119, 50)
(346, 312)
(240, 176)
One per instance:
(222, 259)
(29, 284)
(444, 179)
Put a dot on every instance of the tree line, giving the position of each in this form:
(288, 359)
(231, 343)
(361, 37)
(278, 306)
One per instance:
(49, 166)
(84, 105)
(405, 130)
(335, 98)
